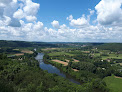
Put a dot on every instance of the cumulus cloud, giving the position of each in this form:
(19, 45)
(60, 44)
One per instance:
(18, 22)
(31, 18)
(31, 8)
(4, 2)
(109, 12)
(19, 14)
(70, 18)
(7, 8)
(80, 22)
(55, 24)
(38, 25)
(28, 10)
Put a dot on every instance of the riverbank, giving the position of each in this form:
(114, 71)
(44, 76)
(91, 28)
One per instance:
(83, 76)
(53, 69)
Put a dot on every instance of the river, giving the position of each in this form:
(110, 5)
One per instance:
(52, 69)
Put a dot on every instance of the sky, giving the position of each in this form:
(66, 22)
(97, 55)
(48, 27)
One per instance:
(61, 20)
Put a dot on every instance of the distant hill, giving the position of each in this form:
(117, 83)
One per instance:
(4, 43)
(103, 46)
(110, 46)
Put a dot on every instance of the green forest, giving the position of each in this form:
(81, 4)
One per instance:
(97, 66)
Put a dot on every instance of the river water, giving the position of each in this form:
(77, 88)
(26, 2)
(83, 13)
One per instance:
(52, 69)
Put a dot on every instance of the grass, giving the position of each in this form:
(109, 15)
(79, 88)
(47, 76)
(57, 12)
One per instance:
(112, 55)
(97, 54)
(50, 49)
(59, 53)
(114, 84)
(120, 64)
(86, 51)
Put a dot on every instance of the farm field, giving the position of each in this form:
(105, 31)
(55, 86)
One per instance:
(112, 56)
(108, 54)
(51, 49)
(114, 83)
(61, 62)
(27, 51)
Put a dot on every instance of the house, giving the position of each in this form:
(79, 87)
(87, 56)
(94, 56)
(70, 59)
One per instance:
(108, 60)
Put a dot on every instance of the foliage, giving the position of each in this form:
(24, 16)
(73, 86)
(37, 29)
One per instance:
(111, 46)
(26, 76)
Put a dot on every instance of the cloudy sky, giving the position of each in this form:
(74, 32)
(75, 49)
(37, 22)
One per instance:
(61, 20)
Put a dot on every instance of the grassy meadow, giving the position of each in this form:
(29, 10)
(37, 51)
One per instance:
(113, 83)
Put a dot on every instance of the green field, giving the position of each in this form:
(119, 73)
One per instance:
(110, 56)
(114, 84)
(59, 53)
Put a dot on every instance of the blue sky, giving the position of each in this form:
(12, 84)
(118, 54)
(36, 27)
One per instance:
(61, 20)
(60, 9)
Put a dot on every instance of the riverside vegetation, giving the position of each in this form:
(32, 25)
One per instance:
(90, 63)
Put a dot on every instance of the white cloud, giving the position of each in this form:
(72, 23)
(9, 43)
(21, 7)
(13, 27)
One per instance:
(5, 2)
(55, 24)
(70, 18)
(109, 12)
(28, 10)
(5, 21)
(19, 14)
(10, 9)
(14, 27)
(80, 22)
(31, 18)
(6, 11)
(31, 8)
(91, 11)
(38, 26)
(63, 26)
